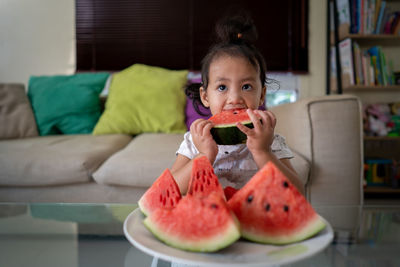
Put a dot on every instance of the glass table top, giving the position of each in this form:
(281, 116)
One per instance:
(49, 234)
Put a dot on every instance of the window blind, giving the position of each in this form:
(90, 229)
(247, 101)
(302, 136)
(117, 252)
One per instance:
(176, 34)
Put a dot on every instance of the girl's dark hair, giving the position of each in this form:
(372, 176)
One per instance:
(235, 37)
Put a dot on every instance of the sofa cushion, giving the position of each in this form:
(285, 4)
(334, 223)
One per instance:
(67, 104)
(141, 162)
(144, 99)
(302, 167)
(54, 160)
(16, 115)
(148, 155)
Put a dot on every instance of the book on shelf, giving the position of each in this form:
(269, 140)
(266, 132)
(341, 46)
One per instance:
(346, 62)
(375, 52)
(368, 66)
(362, 63)
(333, 70)
(396, 25)
(385, 74)
(343, 9)
(379, 19)
(367, 17)
(391, 23)
(358, 64)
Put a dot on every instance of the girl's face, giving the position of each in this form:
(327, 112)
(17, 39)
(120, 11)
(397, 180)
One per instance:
(233, 84)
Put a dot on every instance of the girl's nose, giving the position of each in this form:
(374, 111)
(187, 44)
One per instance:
(235, 96)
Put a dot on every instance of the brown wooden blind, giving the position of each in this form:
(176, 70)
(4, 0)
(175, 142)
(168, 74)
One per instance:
(176, 34)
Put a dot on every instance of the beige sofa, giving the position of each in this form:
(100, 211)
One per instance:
(324, 133)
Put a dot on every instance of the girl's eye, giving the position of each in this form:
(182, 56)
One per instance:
(246, 87)
(221, 88)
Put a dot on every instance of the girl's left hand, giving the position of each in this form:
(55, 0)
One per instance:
(259, 139)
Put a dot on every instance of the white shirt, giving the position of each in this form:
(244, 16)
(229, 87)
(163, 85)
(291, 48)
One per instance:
(234, 164)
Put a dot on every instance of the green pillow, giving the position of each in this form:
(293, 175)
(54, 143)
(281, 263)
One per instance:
(66, 104)
(145, 99)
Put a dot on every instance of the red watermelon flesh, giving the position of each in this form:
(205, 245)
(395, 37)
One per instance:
(225, 131)
(230, 117)
(164, 192)
(195, 224)
(271, 210)
(229, 191)
(203, 179)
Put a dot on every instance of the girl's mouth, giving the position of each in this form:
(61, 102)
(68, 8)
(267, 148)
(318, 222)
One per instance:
(235, 108)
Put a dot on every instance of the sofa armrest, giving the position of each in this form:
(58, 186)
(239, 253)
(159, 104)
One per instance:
(327, 131)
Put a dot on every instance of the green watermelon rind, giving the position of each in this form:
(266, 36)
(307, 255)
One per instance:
(314, 226)
(142, 207)
(230, 235)
(230, 134)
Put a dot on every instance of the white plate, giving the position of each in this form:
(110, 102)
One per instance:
(240, 253)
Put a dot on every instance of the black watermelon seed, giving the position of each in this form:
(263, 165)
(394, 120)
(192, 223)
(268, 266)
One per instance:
(285, 184)
(267, 207)
(214, 206)
(286, 208)
(250, 198)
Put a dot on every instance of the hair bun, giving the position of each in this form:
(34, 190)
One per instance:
(236, 28)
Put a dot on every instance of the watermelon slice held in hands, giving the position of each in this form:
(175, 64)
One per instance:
(225, 131)
(195, 224)
(163, 193)
(203, 180)
(271, 210)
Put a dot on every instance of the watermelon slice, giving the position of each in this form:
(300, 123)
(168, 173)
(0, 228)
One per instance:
(229, 191)
(203, 179)
(195, 224)
(225, 131)
(163, 193)
(271, 210)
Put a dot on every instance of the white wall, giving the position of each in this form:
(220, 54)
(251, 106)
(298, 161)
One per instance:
(314, 83)
(37, 37)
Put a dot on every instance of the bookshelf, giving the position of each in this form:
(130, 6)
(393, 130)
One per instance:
(380, 190)
(380, 138)
(364, 60)
(374, 37)
(372, 88)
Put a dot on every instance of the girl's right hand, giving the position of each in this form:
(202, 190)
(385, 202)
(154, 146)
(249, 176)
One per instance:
(202, 138)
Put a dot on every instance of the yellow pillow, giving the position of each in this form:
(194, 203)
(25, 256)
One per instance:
(144, 99)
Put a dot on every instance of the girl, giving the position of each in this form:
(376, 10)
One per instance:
(233, 77)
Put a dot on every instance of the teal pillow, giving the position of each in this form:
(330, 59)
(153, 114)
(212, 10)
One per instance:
(66, 104)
